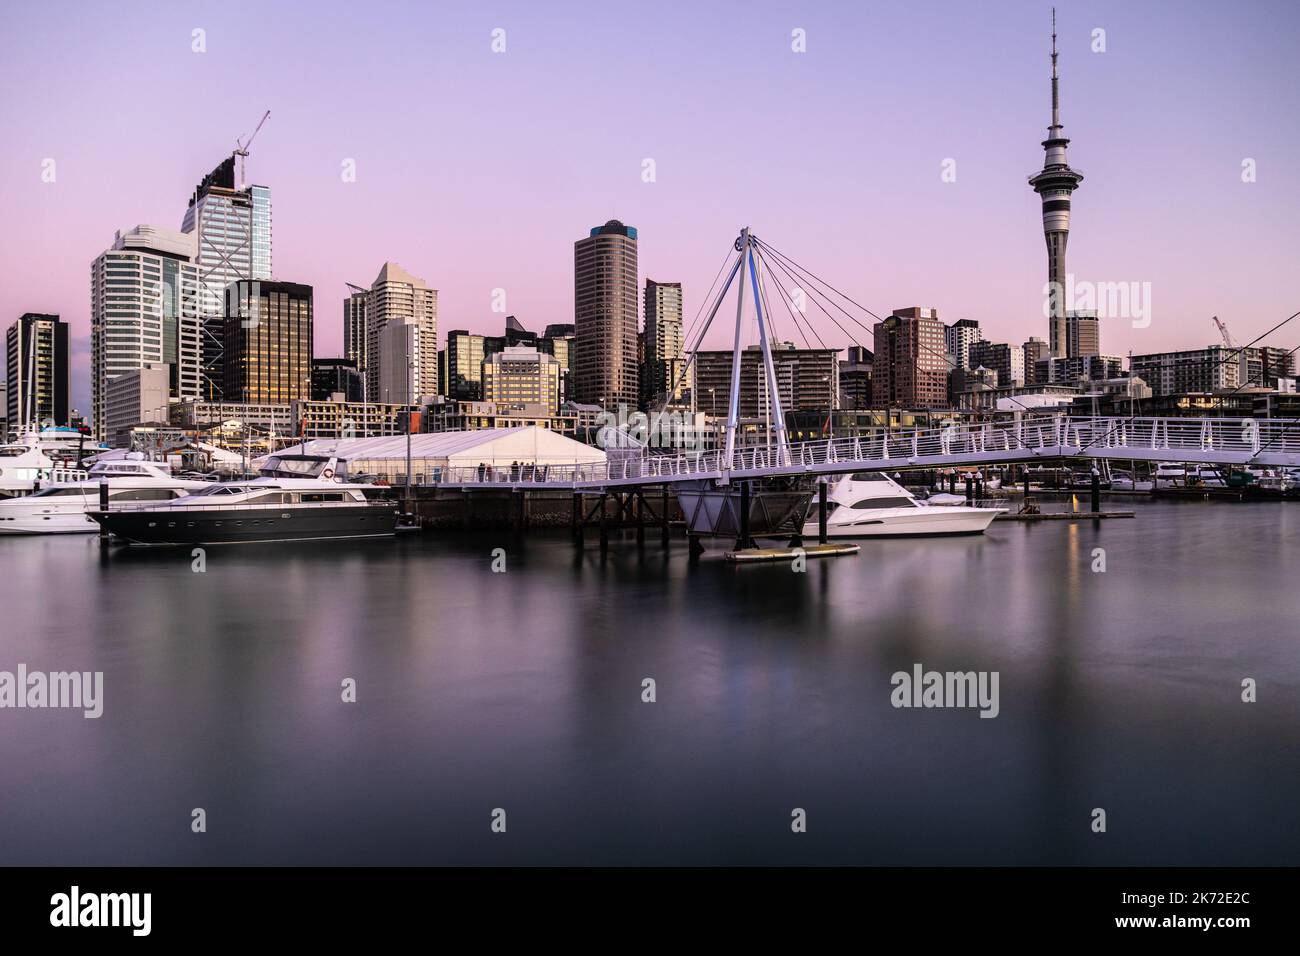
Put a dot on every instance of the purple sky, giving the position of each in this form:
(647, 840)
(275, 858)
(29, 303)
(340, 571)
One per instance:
(478, 170)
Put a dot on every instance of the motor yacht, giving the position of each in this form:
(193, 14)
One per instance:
(296, 498)
(62, 507)
(873, 505)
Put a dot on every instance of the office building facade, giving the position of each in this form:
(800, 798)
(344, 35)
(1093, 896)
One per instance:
(36, 372)
(910, 369)
(605, 316)
(268, 342)
(664, 361)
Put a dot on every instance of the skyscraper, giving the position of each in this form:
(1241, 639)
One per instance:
(1082, 334)
(268, 343)
(406, 350)
(605, 316)
(36, 366)
(396, 294)
(232, 228)
(1055, 184)
(144, 310)
(354, 328)
(958, 338)
(663, 341)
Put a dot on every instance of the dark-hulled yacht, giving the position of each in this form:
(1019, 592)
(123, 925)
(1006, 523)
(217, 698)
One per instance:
(297, 498)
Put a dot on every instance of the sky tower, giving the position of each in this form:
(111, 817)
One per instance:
(1055, 184)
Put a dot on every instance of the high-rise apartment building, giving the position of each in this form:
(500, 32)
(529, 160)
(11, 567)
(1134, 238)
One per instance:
(36, 369)
(406, 352)
(354, 329)
(1212, 369)
(145, 311)
(232, 230)
(910, 368)
(397, 295)
(807, 380)
(605, 316)
(664, 360)
(268, 342)
(1082, 334)
(1035, 350)
(1007, 360)
(958, 338)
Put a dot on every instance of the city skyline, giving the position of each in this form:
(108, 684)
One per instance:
(846, 169)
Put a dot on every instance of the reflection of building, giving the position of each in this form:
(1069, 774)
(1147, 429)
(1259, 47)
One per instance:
(605, 316)
(268, 342)
(144, 309)
(36, 368)
(911, 365)
(232, 242)
(140, 396)
(807, 379)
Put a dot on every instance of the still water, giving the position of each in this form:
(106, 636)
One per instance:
(522, 691)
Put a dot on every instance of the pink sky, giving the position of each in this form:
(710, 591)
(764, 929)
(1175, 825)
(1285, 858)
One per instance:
(478, 170)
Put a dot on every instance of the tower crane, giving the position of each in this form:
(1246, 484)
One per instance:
(1243, 375)
(241, 149)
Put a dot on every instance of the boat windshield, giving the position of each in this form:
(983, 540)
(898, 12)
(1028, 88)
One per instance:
(296, 467)
(867, 504)
(57, 492)
(222, 490)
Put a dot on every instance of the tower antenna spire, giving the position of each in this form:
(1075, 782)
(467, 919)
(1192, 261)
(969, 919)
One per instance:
(1056, 97)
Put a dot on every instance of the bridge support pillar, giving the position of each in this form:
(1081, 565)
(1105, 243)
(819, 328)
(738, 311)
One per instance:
(952, 482)
(695, 545)
(640, 517)
(744, 540)
(970, 490)
(1096, 491)
(604, 524)
(821, 512)
(1026, 474)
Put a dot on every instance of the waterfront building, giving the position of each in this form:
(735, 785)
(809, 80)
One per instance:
(334, 419)
(1213, 369)
(36, 371)
(231, 228)
(911, 364)
(1007, 360)
(140, 396)
(807, 380)
(397, 295)
(1055, 184)
(447, 415)
(605, 316)
(663, 343)
(519, 375)
(336, 376)
(958, 339)
(145, 309)
(273, 421)
(268, 342)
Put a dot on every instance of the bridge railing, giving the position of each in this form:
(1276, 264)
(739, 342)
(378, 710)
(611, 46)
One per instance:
(1164, 438)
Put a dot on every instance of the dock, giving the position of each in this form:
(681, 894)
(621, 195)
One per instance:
(754, 555)
(1066, 516)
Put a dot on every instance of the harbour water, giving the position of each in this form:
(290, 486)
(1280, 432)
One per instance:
(1119, 689)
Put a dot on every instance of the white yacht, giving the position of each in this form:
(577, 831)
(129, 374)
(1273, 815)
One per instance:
(63, 506)
(873, 505)
(38, 457)
(1177, 474)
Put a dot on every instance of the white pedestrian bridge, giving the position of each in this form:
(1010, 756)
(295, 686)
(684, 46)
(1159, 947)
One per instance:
(1265, 443)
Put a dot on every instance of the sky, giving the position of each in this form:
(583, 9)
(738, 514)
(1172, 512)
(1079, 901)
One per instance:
(889, 157)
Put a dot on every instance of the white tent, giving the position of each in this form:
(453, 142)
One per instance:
(500, 447)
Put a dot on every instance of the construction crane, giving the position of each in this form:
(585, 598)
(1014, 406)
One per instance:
(241, 150)
(1243, 366)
